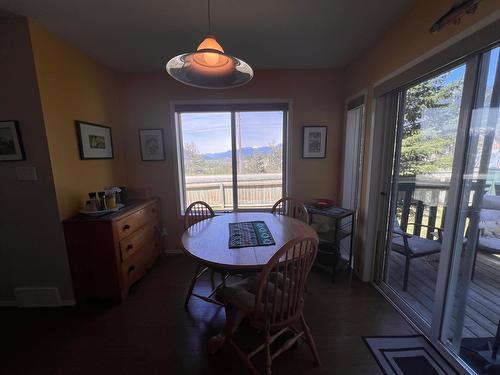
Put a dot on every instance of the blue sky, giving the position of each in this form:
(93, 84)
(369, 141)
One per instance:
(455, 74)
(492, 67)
(211, 132)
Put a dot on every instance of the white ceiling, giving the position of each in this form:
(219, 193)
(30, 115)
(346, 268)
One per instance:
(141, 35)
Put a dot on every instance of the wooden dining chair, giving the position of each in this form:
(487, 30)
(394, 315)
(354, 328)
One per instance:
(196, 212)
(273, 302)
(291, 207)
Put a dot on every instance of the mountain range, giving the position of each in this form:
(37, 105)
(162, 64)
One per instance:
(245, 151)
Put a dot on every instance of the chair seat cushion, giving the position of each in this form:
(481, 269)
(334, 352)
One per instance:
(240, 294)
(490, 245)
(490, 229)
(489, 215)
(491, 202)
(418, 246)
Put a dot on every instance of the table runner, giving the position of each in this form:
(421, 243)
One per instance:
(251, 233)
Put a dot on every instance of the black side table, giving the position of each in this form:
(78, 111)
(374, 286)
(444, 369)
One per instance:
(339, 231)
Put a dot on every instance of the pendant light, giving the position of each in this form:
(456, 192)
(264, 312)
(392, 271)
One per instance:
(209, 67)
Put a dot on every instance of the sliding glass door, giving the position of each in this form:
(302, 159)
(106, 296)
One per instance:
(472, 309)
(441, 258)
(427, 136)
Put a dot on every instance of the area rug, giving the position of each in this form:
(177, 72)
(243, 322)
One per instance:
(250, 233)
(407, 355)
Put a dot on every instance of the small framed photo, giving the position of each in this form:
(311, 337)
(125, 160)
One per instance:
(151, 141)
(314, 146)
(94, 141)
(11, 144)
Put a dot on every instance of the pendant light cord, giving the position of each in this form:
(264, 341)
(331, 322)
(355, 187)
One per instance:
(209, 20)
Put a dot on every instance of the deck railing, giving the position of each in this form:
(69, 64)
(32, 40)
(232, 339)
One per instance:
(254, 190)
(422, 205)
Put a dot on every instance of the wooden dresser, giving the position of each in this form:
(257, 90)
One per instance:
(108, 254)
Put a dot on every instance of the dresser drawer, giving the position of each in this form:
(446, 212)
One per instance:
(131, 223)
(135, 266)
(141, 238)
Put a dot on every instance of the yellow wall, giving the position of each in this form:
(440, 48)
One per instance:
(74, 87)
(408, 39)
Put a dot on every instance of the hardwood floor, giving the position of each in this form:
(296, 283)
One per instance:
(152, 333)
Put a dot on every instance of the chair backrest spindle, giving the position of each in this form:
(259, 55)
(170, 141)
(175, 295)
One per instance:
(197, 211)
(291, 207)
(280, 287)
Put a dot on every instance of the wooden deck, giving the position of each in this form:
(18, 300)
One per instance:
(483, 300)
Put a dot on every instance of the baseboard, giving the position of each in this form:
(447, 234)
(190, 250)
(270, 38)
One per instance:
(172, 251)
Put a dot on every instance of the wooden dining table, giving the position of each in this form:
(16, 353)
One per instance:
(208, 241)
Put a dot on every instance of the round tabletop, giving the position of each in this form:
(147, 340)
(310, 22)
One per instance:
(208, 240)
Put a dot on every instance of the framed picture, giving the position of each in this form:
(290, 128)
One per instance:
(151, 141)
(94, 141)
(11, 144)
(314, 146)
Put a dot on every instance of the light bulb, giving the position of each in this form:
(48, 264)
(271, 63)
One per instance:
(211, 58)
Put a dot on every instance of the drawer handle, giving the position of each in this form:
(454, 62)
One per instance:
(131, 269)
(130, 247)
(126, 227)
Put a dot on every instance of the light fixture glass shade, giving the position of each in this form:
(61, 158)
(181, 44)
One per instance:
(209, 67)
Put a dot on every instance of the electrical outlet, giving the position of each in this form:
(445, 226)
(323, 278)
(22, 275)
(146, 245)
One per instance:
(164, 232)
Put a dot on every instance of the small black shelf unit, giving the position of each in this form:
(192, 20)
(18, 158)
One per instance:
(344, 221)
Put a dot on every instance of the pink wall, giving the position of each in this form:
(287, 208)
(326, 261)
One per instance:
(317, 100)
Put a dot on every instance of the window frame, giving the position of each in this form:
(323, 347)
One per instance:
(232, 106)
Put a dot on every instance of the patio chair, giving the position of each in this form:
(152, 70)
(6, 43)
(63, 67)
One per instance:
(196, 212)
(291, 207)
(273, 302)
(414, 246)
(488, 235)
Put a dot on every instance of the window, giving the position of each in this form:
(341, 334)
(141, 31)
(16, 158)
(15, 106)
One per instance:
(232, 156)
